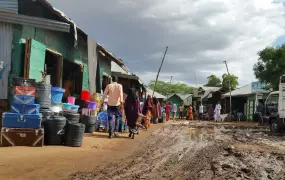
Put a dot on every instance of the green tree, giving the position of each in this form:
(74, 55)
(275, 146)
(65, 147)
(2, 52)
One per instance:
(166, 88)
(270, 66)
(229, 79)
(213, 81)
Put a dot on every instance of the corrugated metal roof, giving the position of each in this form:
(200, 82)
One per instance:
(181, 96)
(245, 90)
(6, 38)
(156, 94)
(9, 5)
(213, 89)
(33, 21)
(116, 68)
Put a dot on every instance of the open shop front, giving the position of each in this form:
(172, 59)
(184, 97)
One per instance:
(130, 81)
(72, 78)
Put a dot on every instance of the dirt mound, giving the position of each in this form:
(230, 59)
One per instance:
(198, 151)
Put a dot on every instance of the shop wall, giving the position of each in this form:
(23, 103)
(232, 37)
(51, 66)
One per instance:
(56, 41)
(60, 42)
(175, 99)
(105, 66)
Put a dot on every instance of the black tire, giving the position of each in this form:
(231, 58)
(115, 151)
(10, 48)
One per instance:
(75, 134)
(274, 127)
(72, 118)
(87, 120)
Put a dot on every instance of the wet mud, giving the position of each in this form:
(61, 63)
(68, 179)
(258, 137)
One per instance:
(200, 151)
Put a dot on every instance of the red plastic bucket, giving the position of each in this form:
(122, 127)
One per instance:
(85, 95)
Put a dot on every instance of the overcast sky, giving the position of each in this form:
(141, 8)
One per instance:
(201, 34)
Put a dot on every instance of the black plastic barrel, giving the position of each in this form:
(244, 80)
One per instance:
(54, 130)
(71, 117)
(90, 123)
(43, 95)
(18, 81)
(74, 134)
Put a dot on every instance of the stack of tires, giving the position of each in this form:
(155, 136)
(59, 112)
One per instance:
(89, 122)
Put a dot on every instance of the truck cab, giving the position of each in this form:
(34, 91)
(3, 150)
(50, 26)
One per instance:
(275, 107)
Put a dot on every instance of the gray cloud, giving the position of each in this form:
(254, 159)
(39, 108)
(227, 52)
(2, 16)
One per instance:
(200, 34)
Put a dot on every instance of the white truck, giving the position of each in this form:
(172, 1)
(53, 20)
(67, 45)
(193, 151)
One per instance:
(274, 110)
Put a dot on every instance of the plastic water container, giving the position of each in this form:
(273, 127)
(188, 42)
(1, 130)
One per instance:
(85, 95)
(71, 100)
(66, 106)
(92, 105)
(74, 108)
(57, 94)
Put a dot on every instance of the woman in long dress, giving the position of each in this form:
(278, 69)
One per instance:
(190, 113)
(147, 111)
(132, 111)
(156, 110)
(167, 111)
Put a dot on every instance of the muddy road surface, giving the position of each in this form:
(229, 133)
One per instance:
(199, 150)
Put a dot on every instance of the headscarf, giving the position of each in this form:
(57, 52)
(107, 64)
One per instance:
(132, 95)
(147, 104)
(154, 100)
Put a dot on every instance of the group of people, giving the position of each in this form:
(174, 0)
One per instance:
(140, 115)
(129, 106)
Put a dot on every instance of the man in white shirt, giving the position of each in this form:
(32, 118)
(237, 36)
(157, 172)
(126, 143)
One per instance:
(114, 91)
(217, 115)
(201, 109)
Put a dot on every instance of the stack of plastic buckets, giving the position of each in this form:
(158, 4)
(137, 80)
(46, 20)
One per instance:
(56, 99)
(88, 112)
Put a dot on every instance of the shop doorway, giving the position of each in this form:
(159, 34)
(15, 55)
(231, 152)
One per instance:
(53, 63)
(72, 78)
(105, 82)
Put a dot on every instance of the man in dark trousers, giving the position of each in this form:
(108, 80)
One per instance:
(114, 91)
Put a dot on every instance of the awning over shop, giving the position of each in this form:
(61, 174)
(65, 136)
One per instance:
(33, 21)
(127, 76)
(245, 91)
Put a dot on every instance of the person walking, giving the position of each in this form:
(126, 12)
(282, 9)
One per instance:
(201, 111)
(132, 111)
(147, 111)
(174, 110)
(181, 111)
(114, 91)
(190, 113)
(217, 111)
(167, 111)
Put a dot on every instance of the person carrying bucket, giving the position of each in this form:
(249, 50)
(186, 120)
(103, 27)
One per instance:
(114, 91)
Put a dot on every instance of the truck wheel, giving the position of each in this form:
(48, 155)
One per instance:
(273, 126)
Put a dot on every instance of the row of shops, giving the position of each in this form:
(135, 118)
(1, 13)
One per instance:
(244, 99)
(39, 42)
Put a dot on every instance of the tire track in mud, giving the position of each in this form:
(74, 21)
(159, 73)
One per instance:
(198, 151)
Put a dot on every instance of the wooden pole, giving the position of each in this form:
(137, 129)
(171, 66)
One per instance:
(159, 70)
(230, 88)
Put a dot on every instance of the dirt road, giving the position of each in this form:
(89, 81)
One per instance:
(200, 151)
(56, 163)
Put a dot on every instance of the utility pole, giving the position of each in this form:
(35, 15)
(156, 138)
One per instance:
(230, 88)
(169, 85)
(159, 70)
(195, 79)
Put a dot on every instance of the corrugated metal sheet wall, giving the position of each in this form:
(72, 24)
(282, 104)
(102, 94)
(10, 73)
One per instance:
(6, 38)
(11, 5)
